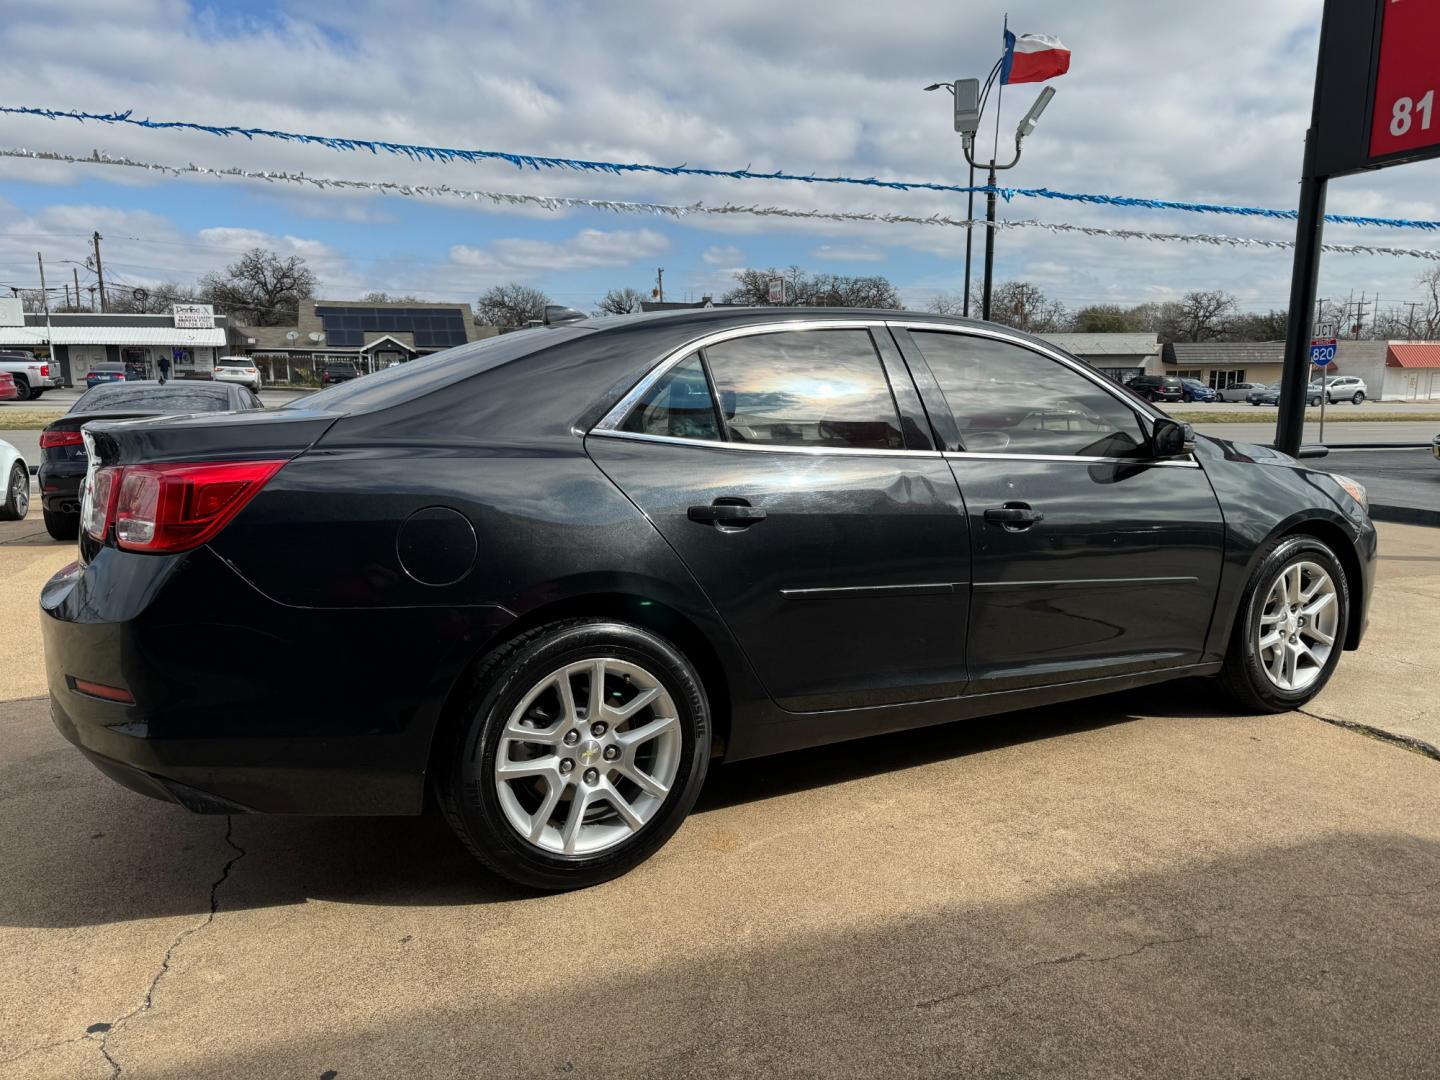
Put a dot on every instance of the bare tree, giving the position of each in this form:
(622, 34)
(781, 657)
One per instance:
(511, 306)
(620, 302)
(388, 298)
(944, 303)
(261, 288)
(804, 289)
(148, 299)
(1203, 314)
(1024, 306)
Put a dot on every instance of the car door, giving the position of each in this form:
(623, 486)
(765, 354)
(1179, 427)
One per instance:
(804, 493)
(1090, 558)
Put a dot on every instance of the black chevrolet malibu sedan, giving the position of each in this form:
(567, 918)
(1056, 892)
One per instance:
(553, 575)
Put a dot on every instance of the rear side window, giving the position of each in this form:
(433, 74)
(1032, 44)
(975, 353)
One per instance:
(1007, 399)
(678, 406)
(804, 388)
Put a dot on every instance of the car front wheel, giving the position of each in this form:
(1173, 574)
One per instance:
(1291, 627)
(580, 750)
(1358, 397)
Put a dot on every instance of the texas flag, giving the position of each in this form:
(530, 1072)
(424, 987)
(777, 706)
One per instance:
(1033, 58)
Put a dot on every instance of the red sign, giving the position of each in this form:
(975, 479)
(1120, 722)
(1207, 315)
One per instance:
(1407, 85)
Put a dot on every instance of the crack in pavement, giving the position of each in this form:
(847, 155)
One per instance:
(105, 1030)
(1405, 742)
(1055, 961)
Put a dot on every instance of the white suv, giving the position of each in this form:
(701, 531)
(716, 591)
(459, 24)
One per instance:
(1345, 388)
(237, 369)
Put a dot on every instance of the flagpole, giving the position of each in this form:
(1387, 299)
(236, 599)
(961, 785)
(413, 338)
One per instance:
(990, 186)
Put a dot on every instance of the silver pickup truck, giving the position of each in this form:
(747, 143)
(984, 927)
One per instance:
(32, 377)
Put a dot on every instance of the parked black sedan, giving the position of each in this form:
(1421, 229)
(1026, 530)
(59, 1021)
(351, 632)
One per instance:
(62, 453)
(596, 557)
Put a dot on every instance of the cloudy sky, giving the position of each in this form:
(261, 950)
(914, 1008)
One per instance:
(1204, 102)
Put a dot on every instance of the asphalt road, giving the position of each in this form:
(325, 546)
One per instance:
(1144, 885)
(1392, 477)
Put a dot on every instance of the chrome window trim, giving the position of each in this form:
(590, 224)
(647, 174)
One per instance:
(1169, 463)
(845, 451)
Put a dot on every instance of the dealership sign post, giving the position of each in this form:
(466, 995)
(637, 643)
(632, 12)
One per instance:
(1376, 89)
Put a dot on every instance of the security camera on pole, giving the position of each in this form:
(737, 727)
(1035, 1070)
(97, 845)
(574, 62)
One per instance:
(1027, 58)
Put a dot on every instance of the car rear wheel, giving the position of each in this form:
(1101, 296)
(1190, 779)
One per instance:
(15, 502)
(578, 753)
(1291, 627)
(22, 388)
(61, 526)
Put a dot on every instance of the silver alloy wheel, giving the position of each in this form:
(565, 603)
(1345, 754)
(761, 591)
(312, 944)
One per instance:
(588, 756)
(1298, 625)
(20, 492)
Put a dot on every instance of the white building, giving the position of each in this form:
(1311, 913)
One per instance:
(75, 342)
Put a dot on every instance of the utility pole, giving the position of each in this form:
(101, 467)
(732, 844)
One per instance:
(660, 283)
(76, 272)
(45, 302)
(99, 268)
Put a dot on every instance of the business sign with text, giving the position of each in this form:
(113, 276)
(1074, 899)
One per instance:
(1378, 98)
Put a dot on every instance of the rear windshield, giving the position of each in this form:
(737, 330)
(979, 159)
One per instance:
(171, 398)
(340, 367)
(404, 382)
(108, 367)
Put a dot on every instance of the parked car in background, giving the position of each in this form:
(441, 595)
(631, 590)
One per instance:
(1345, 388)
(62, 450)
(338, 371)
(1195, 390)
(1435, 447)
(8, 390)
(108, 372)
(237, 369)
(15, 475)
(1239, 391)
(32, 376)
(604, 554)
(1157, 387)
(1270, 395)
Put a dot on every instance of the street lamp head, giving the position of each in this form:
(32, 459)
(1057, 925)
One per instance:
(936, 86)
(967, 106)
(1027, 125)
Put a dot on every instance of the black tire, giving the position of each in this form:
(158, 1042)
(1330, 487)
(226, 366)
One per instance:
(61, 526)
(1314, 402)
(1358, 397)
(22, 388)
(35, 394)
(9, 505)
(465, 764)
(1243, 677)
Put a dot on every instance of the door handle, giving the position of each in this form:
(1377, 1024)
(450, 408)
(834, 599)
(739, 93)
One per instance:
(1014, 516)
(727, 514)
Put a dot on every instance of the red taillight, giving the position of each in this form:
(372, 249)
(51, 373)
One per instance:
(44, 371)
(165, 508)
(97, 503)
(60, 438)
(101, 690)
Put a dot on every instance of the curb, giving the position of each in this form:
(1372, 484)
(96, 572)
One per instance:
(1405, 515)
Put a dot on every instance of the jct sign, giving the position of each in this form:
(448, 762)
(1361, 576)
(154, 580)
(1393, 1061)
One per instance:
(1407, 78)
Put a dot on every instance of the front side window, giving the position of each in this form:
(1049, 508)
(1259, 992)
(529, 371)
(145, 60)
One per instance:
(822, 388)
(1008, 399)
(678, 406)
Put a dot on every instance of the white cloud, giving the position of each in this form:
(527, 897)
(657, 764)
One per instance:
(587, 249)
(1204, 102)
(723, 255)
(833, 253)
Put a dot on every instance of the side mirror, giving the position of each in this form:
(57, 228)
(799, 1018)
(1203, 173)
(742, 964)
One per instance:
(1171, 439)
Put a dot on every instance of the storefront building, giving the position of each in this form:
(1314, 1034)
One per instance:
(371, 336)
(76, 342)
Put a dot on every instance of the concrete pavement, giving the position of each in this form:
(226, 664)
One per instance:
(1143, 885)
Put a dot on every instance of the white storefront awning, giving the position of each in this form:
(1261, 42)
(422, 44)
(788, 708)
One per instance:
(112, 335)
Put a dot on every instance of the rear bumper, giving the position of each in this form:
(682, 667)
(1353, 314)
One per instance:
(60, 486)
(239, 703)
